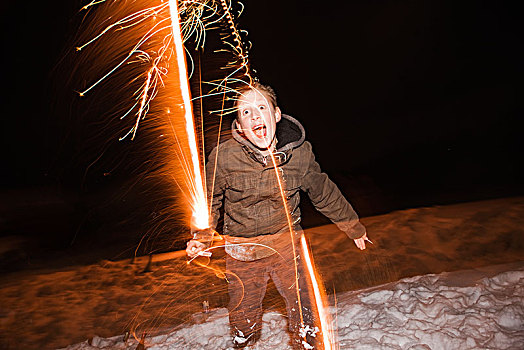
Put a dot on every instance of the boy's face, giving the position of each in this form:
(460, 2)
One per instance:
(257, 118)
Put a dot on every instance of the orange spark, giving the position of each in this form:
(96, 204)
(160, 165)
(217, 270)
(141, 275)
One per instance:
(159, 46)
(320, 300)
(200, 218)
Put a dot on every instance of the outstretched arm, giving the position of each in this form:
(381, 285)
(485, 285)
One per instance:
(327, 198)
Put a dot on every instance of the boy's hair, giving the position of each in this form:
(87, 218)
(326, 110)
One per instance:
(266, 90)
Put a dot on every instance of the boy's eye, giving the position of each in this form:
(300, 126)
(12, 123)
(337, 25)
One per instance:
(245, 112)
(262, 107)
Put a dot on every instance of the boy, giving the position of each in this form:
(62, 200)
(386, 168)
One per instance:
(259, 245)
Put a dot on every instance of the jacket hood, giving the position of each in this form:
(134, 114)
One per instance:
(290, 134)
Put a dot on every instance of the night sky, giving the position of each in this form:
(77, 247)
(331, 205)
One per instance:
(406, 103)
(414, 94)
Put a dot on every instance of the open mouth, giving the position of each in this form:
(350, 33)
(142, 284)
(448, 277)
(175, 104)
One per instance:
(260, 131)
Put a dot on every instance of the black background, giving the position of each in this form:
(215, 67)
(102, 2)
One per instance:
(406, 103)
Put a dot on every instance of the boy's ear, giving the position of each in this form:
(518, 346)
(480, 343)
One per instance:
(278, 114)
(238, 126)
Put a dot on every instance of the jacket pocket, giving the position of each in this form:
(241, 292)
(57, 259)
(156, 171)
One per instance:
(242, 190)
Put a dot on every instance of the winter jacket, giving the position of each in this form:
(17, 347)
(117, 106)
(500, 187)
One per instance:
(246, 183)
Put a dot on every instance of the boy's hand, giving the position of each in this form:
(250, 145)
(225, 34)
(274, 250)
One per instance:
(361, 242)
(194, 248)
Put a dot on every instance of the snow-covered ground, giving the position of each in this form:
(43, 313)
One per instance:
(459, 310)
(54, 308)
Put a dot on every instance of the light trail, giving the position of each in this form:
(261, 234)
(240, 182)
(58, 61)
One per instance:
(200, 219)
(195, 17)
(319, 300)
(318, 296)
(290, 226)
(187, 172)
(159, 48)
(327, 333)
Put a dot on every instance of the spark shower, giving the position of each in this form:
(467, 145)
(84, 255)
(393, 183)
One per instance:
(159, 56)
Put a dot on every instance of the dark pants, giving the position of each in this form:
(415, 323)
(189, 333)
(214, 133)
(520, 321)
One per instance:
(247, 287)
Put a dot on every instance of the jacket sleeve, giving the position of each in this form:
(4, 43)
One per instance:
(327, 198)
(216, 184)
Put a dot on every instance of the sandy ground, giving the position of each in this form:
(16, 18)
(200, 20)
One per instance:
(55, 308)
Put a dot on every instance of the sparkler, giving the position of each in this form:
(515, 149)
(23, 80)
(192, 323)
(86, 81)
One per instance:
(166, 26)
(174, 23)
(200, 218)
(320, 299)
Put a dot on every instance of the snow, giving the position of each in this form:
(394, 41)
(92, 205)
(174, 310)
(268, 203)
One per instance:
(435, 311)
(53, 307)
(425, 312)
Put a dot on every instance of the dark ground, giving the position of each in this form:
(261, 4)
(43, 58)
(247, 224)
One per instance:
(54, 307)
